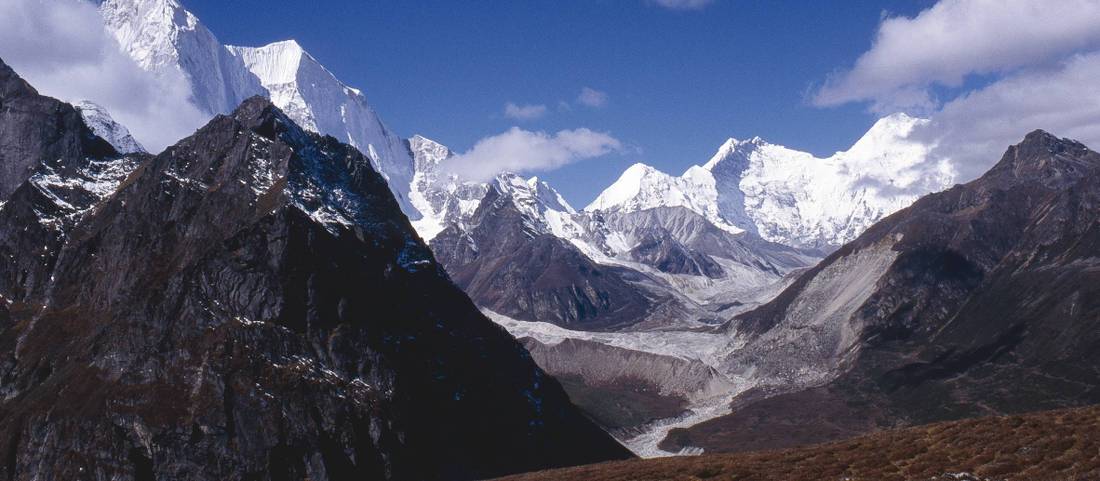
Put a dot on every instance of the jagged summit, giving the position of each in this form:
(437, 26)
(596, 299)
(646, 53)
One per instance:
(427, 153)
(1044, 156)
(731, 148)
(792, 197)
(38, 128)
(102, 124)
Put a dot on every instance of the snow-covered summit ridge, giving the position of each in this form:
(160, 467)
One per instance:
(444, 199)
(161, 35)
(164, 38)
(643, 187)
(789, 196)
(427, 152)
(102, 124)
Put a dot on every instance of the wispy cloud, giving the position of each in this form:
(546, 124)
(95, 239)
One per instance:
(524, 112)
(956, 38)
(973, 129)
(592, 98)
(683, 4)
(521, 151)
(1039, 62)
(62, 48)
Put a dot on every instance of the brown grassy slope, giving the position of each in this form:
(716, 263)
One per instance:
(1049, 445)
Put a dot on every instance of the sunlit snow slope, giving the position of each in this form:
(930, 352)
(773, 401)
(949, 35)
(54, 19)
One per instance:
(789, 196)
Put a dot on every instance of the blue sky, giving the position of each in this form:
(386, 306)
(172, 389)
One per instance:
(809, 75)
(678, 82)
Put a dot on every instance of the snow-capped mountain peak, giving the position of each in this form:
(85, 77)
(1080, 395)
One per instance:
(789, 196)
(643, 187)
(531, 196)
(426, 152)
(102, 124)
(733, 148)
(161, 35)
(274, 63)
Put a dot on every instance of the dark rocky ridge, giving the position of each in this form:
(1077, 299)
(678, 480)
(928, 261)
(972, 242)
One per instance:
(38, 128)
(251, 304)
(49, 161)
(991, 306)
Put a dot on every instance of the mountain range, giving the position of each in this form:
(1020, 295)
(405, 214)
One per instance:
(653, 253)
(979, 300)
(297, 289)
(248, 304)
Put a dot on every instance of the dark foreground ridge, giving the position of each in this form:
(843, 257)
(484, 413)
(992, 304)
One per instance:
(250, 304)
(1061, 445)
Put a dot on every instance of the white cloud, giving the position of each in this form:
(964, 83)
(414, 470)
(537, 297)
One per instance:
(63, 50)
(524, 112)
(683, 4)
(956, 38)
(592, 97)
(522, 151)
(975, 128)
(1040, 62)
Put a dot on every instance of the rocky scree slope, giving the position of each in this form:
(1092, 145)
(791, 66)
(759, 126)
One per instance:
(251, 304)
(979, 300)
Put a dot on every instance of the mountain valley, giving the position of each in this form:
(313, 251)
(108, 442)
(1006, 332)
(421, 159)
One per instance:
(296, 291)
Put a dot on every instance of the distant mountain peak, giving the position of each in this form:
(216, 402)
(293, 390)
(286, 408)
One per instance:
(102, 124)
(789, 196)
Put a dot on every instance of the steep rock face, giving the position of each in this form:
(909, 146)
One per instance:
(666, 254)
(510, 267)
(54, 169)
(38, 128)
(251, 304)
(978, 300)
